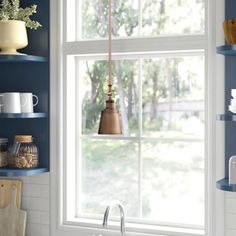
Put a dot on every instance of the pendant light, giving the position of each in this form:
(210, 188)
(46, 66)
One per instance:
(110, 119)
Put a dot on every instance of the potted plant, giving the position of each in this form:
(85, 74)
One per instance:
(13, 23)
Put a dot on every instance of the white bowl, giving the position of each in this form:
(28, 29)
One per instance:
(233, 102)
(232, 109)
(233, 93)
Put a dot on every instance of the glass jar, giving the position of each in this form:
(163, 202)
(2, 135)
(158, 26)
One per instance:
(23, 153)
(3, 152)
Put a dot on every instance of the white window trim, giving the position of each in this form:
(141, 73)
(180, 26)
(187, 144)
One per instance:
(215, 218)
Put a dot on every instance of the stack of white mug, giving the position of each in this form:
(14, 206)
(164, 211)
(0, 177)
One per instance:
(232, 106)
(15, 102)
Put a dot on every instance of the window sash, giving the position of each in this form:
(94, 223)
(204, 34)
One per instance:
(139, 138)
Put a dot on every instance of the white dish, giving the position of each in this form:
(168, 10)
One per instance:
(233, 93)
(233, 102)
(232, 110)
(232, 107)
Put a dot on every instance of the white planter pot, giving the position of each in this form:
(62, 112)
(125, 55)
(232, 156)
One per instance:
(13, 36)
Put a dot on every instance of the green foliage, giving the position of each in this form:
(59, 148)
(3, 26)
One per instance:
(11, 10)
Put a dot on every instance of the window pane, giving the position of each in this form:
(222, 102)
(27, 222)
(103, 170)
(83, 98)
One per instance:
(173, 17)
(93, 93)
(95, 18)
(109, 171)
(157, 17)
(173, 182)
(173, 97)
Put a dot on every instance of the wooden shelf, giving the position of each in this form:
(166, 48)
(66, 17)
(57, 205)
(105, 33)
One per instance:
(224, 185)
(22, 172)
(227, 50)
(21, 58)
(23, 115)
(226, 117)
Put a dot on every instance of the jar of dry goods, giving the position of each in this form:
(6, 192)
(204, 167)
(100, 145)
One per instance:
(3, 152)
(23, 153)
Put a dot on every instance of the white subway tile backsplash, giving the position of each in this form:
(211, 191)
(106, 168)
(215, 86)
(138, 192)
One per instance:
(37, 230)
(31, 190)
(230, 195)
(35, 190)
(44, 191)
(44, 218)
(33, 217)
(230, 205)
(34, 203)
(38, 179)
(45, 230)
(38, 217)
(35, 200)
(230, 220)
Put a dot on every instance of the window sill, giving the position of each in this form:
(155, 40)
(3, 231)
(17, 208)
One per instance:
(94, 227)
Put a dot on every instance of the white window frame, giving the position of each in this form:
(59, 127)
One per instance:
(214, 204)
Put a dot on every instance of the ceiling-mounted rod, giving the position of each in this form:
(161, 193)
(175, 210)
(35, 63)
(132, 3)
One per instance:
(109, 51)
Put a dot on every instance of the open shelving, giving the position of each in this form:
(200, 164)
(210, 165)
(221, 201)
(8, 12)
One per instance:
(226, 117)
(227, 50)
(224, 185)
(29, 72)
(23, 115)
(22, 172)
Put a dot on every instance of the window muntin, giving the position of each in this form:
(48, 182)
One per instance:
(87, 19)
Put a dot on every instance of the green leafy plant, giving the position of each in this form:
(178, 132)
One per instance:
(11, 10)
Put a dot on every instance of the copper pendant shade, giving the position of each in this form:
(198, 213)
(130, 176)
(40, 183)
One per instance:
(110, 118)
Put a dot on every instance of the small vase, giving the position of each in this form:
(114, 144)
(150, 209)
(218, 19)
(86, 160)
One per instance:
(13, 36)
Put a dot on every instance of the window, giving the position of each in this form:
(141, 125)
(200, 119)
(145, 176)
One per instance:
(157, 167)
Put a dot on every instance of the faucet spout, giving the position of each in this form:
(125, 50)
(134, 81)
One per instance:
(122, 215)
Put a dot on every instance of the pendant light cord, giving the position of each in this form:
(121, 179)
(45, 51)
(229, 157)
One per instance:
(109, 53)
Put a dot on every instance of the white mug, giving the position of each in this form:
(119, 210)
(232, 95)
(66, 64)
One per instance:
(26, 100)
(10, 102)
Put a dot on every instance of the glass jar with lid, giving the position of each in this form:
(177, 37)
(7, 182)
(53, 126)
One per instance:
(3, 152)
(23, 153)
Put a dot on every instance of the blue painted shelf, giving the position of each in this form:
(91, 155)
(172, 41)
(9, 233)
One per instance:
(227, 50)
(226, 117)
(23, 115)
(224, 185)
(21, 58)
(22, 172)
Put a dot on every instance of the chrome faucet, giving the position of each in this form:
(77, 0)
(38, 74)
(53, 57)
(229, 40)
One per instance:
(122, 215)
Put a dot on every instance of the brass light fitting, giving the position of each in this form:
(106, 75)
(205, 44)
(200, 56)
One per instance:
(110, 119)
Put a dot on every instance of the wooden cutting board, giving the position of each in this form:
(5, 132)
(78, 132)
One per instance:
(12, 219)
(6, 190)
